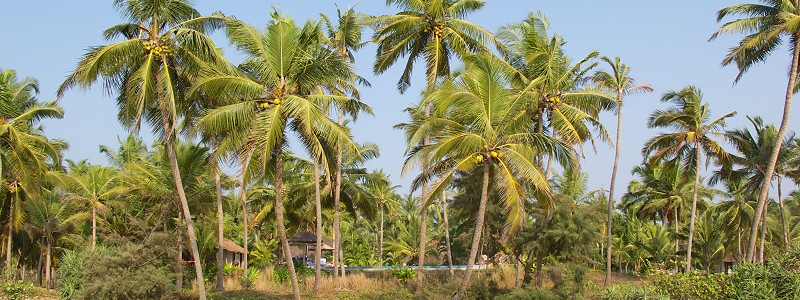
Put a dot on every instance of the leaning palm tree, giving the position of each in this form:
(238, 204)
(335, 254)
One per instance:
(620, 84)
(693, 135)
(766, 25)
(162, 47)
(436, 32)
(478, 128)
(24, 150)
(285, 66)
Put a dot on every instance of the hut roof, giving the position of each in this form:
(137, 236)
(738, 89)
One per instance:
(305, 237)
(232, 246)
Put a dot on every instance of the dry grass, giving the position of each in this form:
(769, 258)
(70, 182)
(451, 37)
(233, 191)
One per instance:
(355, 282)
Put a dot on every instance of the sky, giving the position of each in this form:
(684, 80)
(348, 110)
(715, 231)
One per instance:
(664, 42)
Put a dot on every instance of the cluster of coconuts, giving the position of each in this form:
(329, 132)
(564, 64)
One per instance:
(266, 105)
(478, 158)
(437, 31)
(158, 47)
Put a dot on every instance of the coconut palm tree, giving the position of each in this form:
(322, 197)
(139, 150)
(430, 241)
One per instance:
(285, 66)
(385, 196)
(620, 84)
(435, 31)
(693, 135)
(765, 26)
(553, 87)
(93, 185)
(24, 150)
(476, 127)
(161, 48)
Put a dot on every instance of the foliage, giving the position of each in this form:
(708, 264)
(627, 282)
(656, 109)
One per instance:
(691, 285)
(530, 294)
(403, 274)
(280, 274)
(632, 292)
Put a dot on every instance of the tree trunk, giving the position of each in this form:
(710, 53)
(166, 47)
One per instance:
(48, 276)
(337, 239)
(380, 240)
(279, 219)
(476, 238)
(787, 107)
(611, 187)
(169, 133)
(10, 231)
(447, 233)
(763, 234)
(94, 226)
(784, 224)
(423, 228)
(677, 239)
(179, 280)
(243, 191)
(220, 222)
(693, 214)
(318, 230)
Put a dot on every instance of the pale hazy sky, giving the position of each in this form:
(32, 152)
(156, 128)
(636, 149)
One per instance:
(664, 42)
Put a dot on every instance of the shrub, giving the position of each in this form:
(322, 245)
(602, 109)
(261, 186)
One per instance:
(692, 286)
(530, 294)
(280, 274)
(631, 292)
(16, 289)
(404, 274)
(568, 279)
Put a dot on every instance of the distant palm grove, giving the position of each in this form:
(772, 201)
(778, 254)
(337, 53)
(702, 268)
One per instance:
(255, 187)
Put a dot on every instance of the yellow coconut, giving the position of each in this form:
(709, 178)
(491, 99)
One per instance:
(277, 101)
(493, 154)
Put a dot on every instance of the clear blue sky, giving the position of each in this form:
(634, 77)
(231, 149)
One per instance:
(665, 43)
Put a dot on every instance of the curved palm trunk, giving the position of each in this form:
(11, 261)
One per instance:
(179, 279)
(243, 192)
(607, 279)
(763, 235)
(447, 234)
(476, 238)
(176, 176)
(287, 253)
(318, 230)
(773, 159)
(337, 232)
(784, 224)
(693, 214)
(220, 227)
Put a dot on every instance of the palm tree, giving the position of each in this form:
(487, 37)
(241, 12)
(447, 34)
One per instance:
(476, 126)
(765, 26)
(93, 185)
(164, 44)
(345, 38)
(552, 85)
(620, 84)
(386, 197)
(434, 31)
(24, 150)
(285, 66)
(690, 118)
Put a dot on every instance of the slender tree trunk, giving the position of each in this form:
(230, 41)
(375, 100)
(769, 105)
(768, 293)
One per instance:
(693, 214)
(220, 221)
(476, 238)
(169, 133)
(611, 187)
(447, 233)
(787, 107)
(10, 231)
(784, 224)
(677, 239)
(763, 234)
(739, 242)
(279, 218)
(337, 259)
(380, 252)
(317, 230)
(48, 276)
(94, 226)
(423, 228)
(179, 280)
(243, 191)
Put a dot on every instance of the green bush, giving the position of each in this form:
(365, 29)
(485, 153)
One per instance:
(568, 280)
(631, 292)
(530, 294)
(280, 274)
(692, 286)
(16, 289)
(404, 274)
